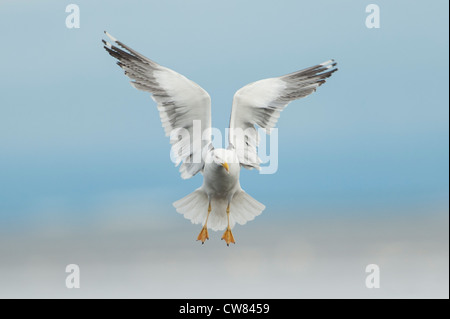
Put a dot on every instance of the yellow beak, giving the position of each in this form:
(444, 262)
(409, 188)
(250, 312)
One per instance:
(225, 165)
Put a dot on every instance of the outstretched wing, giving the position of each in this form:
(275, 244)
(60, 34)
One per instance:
(260, 103)
(184, 107)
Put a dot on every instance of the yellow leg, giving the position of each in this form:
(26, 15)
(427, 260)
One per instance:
(204, 232)
(228, 235)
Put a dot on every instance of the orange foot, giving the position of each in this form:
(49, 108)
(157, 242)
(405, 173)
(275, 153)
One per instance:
(228, 236)
(203, 235)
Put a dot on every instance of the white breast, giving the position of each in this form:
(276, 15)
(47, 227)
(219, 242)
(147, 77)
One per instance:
(217, 182)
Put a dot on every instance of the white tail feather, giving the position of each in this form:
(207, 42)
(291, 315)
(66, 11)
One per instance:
(194, 206)
(243, 208)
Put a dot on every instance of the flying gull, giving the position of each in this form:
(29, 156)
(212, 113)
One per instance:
(184, 108)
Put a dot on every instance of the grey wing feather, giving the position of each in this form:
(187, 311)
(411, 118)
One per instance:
(260, 103)
(180, 102)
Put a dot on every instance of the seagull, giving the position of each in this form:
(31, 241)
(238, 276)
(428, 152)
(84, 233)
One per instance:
(185, 110)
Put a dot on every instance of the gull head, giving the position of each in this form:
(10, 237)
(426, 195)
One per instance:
(222, 158)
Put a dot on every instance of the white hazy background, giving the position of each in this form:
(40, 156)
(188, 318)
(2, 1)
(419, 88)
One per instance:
(144, 256)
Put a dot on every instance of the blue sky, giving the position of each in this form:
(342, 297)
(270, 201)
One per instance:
(376, 135)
